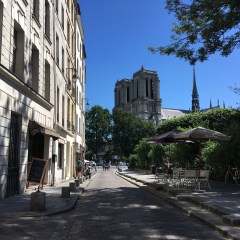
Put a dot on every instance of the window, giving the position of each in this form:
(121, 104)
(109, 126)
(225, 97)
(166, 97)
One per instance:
(78, 41)
(81, 50)
(62, 17)
(137, 89)
(1, 26)
(151, 88)
(72, 45)
(18, 52)
(80, 101)
(57, 49)
(57, 104)
(80, 74)
(62, 60)
(47, 19)
(35, 68)
(77, 96)
(68, 33)
(72, 12)
(63, 108)
(77, 66)
(60, 156)
(36, 8)
(47, 81)
(14, 50)
(57, 6)
(146, 88)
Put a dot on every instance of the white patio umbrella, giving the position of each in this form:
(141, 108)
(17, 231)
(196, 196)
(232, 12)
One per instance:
(202, 134)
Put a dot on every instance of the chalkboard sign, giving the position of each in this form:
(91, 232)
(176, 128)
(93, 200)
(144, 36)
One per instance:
(37, 171)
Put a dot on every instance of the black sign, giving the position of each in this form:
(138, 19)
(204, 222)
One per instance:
(37, 170)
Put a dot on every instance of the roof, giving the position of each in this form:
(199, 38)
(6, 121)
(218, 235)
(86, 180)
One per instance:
(168, 113)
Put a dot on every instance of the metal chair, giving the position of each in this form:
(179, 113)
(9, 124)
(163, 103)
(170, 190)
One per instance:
(204, 179)
(189, 179)
(159, 174)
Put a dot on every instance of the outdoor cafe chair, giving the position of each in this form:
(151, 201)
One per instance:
(159, 174)
(204, 179)
(189, 179)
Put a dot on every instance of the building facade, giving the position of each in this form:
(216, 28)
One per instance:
(80, 145)
(37, 91)
(140, 95)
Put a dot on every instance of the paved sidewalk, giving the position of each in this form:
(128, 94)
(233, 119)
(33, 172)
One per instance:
(218, 208)
(18, 206)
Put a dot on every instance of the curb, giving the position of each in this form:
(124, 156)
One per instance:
(191, 207)
(69, 206)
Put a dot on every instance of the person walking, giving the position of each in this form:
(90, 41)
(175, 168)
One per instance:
(167, 166)
(103, 166)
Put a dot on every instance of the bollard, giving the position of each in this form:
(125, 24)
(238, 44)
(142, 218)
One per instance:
(81, 180)
(65, 192)
(37, 201)
(72, 186)
(77, 181)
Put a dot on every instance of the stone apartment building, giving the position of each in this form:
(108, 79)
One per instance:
(80, 145)
(140, 95)
(37, 90)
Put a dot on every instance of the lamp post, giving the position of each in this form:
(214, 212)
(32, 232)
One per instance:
(87, 105)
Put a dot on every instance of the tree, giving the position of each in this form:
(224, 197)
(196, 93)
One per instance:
(207, 25)
(98, 128)
(128, 130)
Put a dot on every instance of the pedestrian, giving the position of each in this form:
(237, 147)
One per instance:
(103, 166)
(167, 166)
(87, 172)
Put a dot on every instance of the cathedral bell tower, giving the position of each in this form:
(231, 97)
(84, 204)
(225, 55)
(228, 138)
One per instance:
(195, 96)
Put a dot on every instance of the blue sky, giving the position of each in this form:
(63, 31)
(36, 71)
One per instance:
(117, 35)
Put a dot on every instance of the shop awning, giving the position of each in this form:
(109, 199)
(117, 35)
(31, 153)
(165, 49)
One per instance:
(35, 127)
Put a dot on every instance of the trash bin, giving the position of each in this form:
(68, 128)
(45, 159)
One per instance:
(153, 169)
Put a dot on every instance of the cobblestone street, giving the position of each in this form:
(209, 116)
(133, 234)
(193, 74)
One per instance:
(111, 208)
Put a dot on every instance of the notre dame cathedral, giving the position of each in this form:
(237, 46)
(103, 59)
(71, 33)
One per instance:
(140, 95)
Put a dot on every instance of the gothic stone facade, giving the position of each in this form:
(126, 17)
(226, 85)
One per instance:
(140, 95)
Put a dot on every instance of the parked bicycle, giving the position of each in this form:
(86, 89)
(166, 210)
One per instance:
(235, 174)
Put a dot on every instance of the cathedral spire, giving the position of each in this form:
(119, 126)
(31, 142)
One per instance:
(195, 96)
(210, 104)
(223, 104)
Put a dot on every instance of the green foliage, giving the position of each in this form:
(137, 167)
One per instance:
(215, 155)
(142, 149)
(203, 28)
(98, 128)
(215, 119)
(128, 130)
(156, 154)
(218, 155)
(133, 160)
(108, 155)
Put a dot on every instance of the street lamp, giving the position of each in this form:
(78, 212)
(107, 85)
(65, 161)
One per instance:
(87, 105)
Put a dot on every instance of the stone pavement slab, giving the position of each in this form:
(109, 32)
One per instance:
(18, 206)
